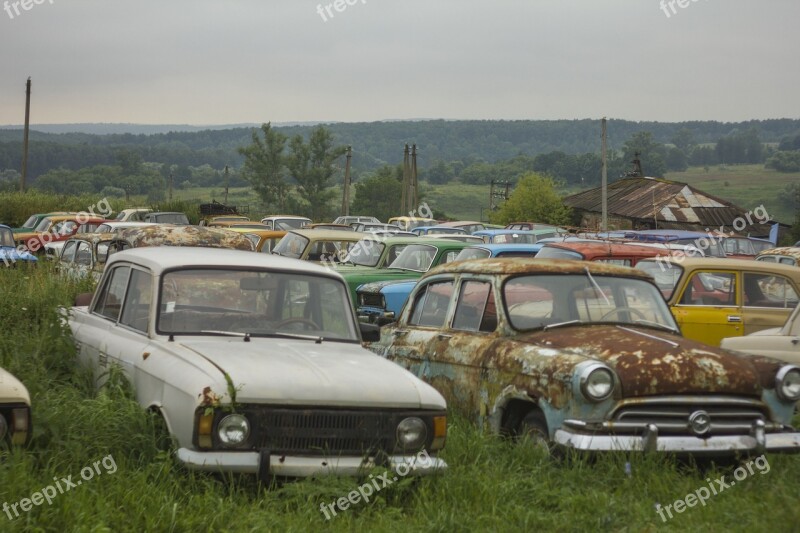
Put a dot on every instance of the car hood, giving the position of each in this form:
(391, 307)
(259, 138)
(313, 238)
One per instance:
(378, 286)
(290, 372)
(12, 390)
(8, 253)
(650, 362)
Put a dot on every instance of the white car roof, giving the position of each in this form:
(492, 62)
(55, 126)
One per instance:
(161, 258)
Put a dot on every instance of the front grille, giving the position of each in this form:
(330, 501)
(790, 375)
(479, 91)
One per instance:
(729, 416)
(324, 432)
(371, 299)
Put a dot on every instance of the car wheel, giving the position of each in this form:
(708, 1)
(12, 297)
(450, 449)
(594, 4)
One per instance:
(533, 429)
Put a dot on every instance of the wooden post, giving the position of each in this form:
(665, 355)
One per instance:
(404, 200)
(414, 200)
(346, 192)
(604, 181)
(25, 136)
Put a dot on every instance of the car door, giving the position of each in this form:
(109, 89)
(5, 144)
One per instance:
(708, 305)
(768, 300)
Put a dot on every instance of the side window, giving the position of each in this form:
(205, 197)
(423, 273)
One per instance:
(620, 262)
(112, 294)
(430, 305)
(767, 290)
(475, 310)
(68, 254)
(84, 254)
(449, 256)
(788, 261)
(710, 288)
(136, 310)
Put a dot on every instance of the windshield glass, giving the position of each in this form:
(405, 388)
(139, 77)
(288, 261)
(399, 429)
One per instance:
(171, 218)
(417, 257)
(43, 225)
(291, 245)
(6, 237)
(537, 301)
(665, 272)
(709, 247)
(551, 252)
(472, 253)
(366, 252)
(258, 302)
(287, 224)
(31, 222)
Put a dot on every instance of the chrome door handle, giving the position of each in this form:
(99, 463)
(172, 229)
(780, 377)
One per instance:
(399, 332)
(734, 318)
(444, 336)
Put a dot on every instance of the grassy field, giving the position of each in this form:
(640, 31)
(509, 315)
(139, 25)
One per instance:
(492, 484)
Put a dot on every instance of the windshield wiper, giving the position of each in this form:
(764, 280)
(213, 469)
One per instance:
(246, 336)
(596, 286)
(316, 338)
(561, 324)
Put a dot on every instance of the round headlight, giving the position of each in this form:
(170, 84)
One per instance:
(411, 433)
(787, 383)
(233, 430)
(597, 383)
(3, 427)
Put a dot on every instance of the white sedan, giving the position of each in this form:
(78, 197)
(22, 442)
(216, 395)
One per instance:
(256, 365)
(780, 343)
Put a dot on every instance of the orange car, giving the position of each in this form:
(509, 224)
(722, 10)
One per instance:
(58, 228)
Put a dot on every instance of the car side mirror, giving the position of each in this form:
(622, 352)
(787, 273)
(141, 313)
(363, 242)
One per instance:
(83, 299)
(369, 332)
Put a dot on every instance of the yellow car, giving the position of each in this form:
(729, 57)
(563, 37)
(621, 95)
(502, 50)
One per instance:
(714, 298)
(321, 245)
(264, 240)
(409, 223)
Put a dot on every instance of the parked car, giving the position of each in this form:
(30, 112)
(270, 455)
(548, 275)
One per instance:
(438, 230)
(263, 240)
(780, 343)
(740, 247)
(371, 227)
(786, 255)
(351, 219)
(211, 219)
(501, 236)
(9, 253)
(134, 214)
(255, 364)
(469, 226)
(534, 225)
(30, 224)
(606, 251)
(330, 246)
(409, 223)
(586, 356)
(116, 227)
(168, 235)
(484, 251)
(84, 255)
(414, 259)
(285, 222)
(16, 425)
(469, 239)
(325, 225)
(709, 244)
(714, 298)
(58, 228)
(175, 218)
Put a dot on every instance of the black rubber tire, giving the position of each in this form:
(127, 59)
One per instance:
(533, 427)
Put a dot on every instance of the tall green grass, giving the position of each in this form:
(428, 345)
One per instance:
(492, 484)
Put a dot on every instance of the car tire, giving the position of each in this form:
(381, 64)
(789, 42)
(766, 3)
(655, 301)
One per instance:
(533, 428)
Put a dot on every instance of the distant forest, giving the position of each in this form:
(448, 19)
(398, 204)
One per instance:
(473, 151)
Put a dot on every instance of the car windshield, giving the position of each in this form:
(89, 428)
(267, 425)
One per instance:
(552, 252)
(366, 252)
(416, 223)
(31, 222)
(537, 301)
(103, 228)
(417, 257)
(516, 238)
(286, 224)
(709, 247)
(291, 245)
(171, 218)
(255, 302)
(665, 272)
(473, 253)
(6, 237)
(43, 225)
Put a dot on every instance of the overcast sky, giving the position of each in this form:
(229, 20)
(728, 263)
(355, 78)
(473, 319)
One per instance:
(229, 61)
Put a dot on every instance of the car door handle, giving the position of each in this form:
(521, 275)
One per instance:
(444, 336)
(734, 318)
(399, 332)
(795, 340)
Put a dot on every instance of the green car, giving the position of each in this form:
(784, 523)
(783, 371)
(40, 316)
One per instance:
(34, 220)
(395, 258)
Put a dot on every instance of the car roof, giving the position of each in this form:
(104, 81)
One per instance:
(528, 265)
(611, 248)
(161, 258)
(329, 234)
(181, 235)
(508, 247)
(457, 223)
(790, 251)
(270, 217)
(724, 263)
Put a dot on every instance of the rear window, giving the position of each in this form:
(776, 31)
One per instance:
(551, 252)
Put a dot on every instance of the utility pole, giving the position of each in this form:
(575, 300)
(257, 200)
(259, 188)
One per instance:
(414, 194)
(604, 181)
(170, 186)
(226, 184)
(404, 200)
(346, 192)
(25, 135)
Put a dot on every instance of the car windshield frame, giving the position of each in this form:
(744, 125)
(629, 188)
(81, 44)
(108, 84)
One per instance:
(268, 292)
(288, 224)
(373, 251)
(661, 269)
(591, 293)
(7, 238)
(402, 260)
(31, 223)
(285, 245)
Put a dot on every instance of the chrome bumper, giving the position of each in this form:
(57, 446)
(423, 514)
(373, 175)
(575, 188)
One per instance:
(295, 466)
(757, 442)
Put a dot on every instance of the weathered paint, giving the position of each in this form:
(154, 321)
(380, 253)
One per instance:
(167, 235)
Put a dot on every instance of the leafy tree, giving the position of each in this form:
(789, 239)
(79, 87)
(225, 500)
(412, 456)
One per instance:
(785, 161)
(651, 153)
(379, 194)
(264, 164)
(312, 167)
(683, 140)
(676, 160)
(533, 199)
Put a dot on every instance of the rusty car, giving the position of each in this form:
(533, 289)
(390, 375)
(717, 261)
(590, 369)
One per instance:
(586, 356)
(179, 235)
(255, 364)
(15, 410)
(605, 251)
(787, 255)
(714, 298)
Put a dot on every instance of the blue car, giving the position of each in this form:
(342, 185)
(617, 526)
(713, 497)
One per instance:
(382, 301)
(507, 236)
(709, 245)
(9, 253)
(438, 230)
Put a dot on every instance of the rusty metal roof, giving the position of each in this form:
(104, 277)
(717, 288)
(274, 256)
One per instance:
(674, 204)
(526, 265)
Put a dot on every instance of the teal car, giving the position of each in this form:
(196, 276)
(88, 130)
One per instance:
(34, 220)
(395, 258)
